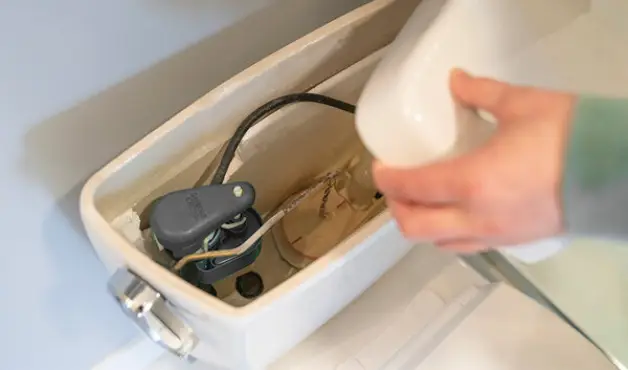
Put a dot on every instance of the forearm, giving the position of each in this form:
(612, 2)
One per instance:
(595, 183)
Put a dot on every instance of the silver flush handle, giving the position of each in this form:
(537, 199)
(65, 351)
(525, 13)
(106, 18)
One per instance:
(148, 309)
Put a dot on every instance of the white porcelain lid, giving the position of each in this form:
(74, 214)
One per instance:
(500, 329)
(487, 327)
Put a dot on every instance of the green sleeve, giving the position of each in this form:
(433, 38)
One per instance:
(595, 183)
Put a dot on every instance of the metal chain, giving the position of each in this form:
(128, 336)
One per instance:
(330, 186)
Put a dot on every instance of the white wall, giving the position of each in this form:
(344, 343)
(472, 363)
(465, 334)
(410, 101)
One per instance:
(79, 82)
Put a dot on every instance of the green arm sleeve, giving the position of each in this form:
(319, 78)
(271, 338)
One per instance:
(595, 183)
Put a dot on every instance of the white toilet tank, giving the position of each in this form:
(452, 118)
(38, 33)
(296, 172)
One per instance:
(278, 156)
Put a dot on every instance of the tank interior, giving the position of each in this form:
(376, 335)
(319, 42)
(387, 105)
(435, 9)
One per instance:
(280, 156)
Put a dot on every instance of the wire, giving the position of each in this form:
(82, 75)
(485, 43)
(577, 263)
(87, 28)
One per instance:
(228, 153)
(263, 112)
(211, 168)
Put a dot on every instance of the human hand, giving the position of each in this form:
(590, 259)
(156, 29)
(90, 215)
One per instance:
(507, 191)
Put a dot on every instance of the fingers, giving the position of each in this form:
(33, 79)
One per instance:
(432, 224)
(441, 183)
(448, 227)
(479, 93)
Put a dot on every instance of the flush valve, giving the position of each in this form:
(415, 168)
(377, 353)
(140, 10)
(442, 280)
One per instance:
(216, 217)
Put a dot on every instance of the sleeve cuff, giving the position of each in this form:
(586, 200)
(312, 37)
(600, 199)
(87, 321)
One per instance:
(595, 182)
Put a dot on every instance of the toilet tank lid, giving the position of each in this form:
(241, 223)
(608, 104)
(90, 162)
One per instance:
(499, 328)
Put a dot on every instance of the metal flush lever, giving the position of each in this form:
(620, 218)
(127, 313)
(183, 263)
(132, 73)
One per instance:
(148, 309)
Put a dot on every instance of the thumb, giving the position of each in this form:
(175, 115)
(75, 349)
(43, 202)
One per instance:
(476, 92)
